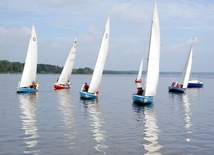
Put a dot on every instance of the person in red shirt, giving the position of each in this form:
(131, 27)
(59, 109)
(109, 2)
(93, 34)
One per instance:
(85, 87)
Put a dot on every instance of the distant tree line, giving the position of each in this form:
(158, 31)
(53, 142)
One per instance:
(17, 67)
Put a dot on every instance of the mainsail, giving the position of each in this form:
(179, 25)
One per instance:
(30, 67)
(101, 59)
(152, 72)
(187, 68)
(68, 67)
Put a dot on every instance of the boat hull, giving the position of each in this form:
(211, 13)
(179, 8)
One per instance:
(87, 95)
(195, 84)
(176, 89)
(58, 86)
(26, 90)
(142, 99)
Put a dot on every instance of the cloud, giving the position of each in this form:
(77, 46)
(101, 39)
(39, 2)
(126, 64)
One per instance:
(58, 21)
(14, 43)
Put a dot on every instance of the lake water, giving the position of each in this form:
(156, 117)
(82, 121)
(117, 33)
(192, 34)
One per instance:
(59, 122)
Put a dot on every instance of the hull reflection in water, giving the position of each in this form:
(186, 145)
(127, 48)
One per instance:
(151, 129)
(66, 107)
(97, 124)
(28, 116)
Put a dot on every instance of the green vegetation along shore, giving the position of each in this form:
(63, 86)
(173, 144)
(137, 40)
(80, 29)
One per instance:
(17, 67)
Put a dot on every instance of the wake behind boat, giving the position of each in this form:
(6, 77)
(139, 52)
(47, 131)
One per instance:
(28, 83)
(152, 72)
(91, 92)
(64, 80)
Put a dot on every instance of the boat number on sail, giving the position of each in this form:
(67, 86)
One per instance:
(106, 35)
(34, 38)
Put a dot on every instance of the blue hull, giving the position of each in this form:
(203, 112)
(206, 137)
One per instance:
(142, 99)
(87, 95)
(176, 89)
(194, 85)
(25, 90)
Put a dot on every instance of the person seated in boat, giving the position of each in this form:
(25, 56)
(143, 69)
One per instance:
(85, 87)
(173, 84)
(179, 86)
(69, 83)
(31, 86)
(139, 91)
(34, 85)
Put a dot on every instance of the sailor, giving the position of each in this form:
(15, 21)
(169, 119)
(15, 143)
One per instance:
(139, 91)
(85, 87)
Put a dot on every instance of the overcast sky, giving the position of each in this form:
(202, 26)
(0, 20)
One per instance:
(57, 22)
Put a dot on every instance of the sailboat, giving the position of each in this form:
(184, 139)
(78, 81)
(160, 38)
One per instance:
(28, 83)
(64, 80)
(195, 84)
(153, 60)
(92, 91)
(180, 87)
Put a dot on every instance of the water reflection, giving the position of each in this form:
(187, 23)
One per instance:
(187, 111)
(151, 129)
(183, 101)
(66, 108)
(97, 124)
(28, 116)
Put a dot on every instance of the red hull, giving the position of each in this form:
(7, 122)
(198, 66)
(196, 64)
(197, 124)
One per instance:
(137, 81)
(57, 86)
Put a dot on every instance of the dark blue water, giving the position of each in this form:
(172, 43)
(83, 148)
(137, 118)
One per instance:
(59, 122)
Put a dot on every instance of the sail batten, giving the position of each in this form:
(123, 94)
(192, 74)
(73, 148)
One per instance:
(30, 67)
(68, 67)
(152, 72)
(101, 59)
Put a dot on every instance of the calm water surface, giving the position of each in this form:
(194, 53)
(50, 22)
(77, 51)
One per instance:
(59, 122)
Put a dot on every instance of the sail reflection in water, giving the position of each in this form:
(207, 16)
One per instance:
(66, 108)
(151, 129)
(187, 111)
(28, 116)
(97, 123)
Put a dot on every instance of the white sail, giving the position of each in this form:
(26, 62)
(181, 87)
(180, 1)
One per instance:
(68, 67)
(152, 72)
(101, 59)
(30, 67)
(139, 76)
(187, 68)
